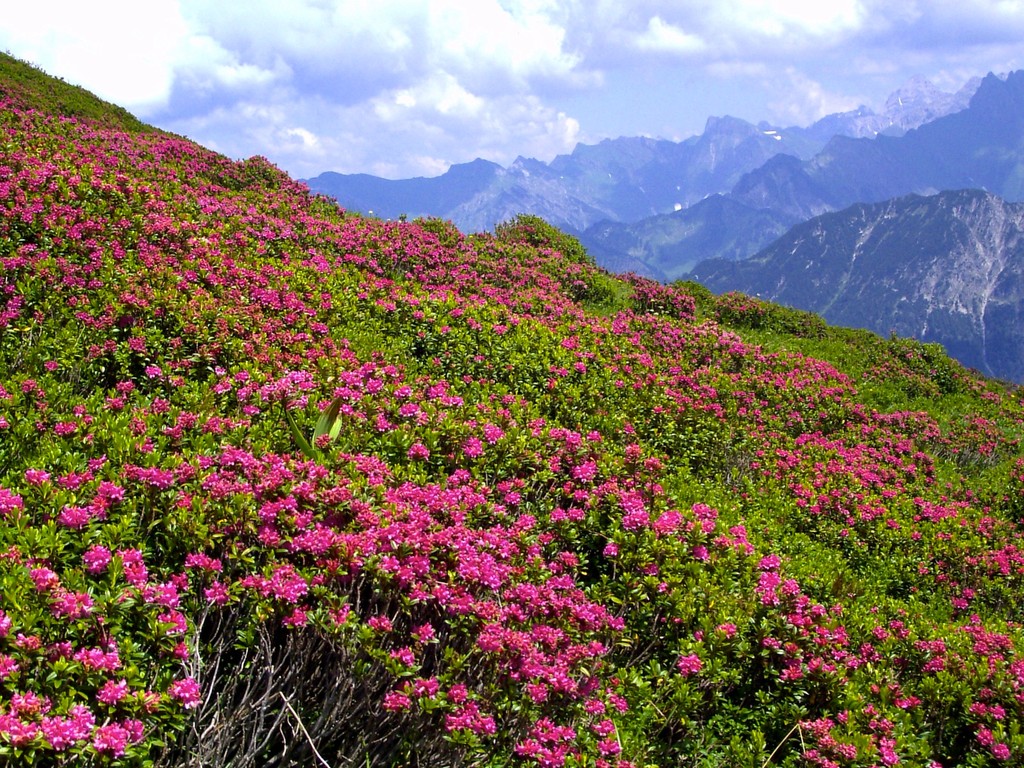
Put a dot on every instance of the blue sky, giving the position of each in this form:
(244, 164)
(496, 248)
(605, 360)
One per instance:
(403, 88)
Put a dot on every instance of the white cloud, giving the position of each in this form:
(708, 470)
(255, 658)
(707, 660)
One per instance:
(414, 131)
(663, 37)
(812, 19)
(441, 94)
(389, 84)
(204, 67)
(484, 37)
(308, 139)
(408, 86)
(351, 49)
(800, 100)
(87, 44)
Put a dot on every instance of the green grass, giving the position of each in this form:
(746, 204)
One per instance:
(29, 87)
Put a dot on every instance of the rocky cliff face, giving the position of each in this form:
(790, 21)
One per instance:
(947, 268)
(919, 102)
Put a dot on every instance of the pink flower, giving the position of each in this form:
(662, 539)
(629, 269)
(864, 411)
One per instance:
(426, 687)
(96, 559)
(636, 514)
(604, 728)
(668, 522)
(135, 571)
(29, 704)
(73, 605)
(19, 733)
(186, 691)
(62, 732)
(288, 584)
(595, 707)
(585, 472)
(135, 729)
(418, 451)
(176, 620)
(110, 739)
(36, 476)
(99, 660)
(216, 593)
(457, 693)
(8, 666)
(689, 665)
(75, 517)
(886, 751)
(44, 579)
(403, 656)
(729, 630)
(396, 701)
(423, 633)
(112, 692)
(473, 447)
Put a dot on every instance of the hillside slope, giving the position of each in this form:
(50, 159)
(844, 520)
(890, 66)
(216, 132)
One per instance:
(285, 486)
(27, 87)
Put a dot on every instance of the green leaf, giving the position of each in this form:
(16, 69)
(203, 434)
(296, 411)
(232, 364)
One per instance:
(329, 423)
(304, 445)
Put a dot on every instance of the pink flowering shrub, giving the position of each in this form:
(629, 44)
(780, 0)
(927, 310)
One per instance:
(549, 517)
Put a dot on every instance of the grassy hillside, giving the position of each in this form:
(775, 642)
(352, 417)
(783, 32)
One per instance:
(27, 87)
(285, 486)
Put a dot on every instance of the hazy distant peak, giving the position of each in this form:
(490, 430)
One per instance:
(920, 101)
(727, 123)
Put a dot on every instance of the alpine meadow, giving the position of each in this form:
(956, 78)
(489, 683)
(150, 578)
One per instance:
(281, 485)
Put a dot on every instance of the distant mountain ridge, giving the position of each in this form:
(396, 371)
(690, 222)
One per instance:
(947, 268)
(625, 179)
(666, 247)
(981, 146)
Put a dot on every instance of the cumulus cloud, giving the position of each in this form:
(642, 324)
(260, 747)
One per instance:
(405, 87)
(667, 38)
(716, 31)
(793, 19)
(353, 49)
(800, 100)
(399, 85)
(417, 130)
(88, 44)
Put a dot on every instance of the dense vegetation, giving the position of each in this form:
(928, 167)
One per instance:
(284, 486)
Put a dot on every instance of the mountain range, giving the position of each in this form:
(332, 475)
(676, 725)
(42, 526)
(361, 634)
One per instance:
(627, 179)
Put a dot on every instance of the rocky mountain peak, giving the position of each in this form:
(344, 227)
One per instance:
(919, 101)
